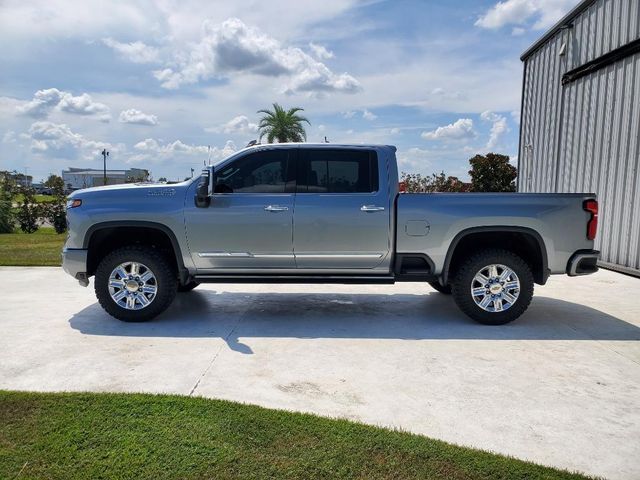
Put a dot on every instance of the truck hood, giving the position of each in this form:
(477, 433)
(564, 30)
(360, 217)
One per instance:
(146, 188)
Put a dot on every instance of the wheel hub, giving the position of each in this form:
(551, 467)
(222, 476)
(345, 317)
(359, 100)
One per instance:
(132, 285)
(495, 288)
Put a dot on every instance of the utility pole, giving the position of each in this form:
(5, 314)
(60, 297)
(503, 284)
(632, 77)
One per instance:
(105, 154)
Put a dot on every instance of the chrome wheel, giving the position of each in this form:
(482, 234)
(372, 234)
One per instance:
(132, 285)
(495, 288)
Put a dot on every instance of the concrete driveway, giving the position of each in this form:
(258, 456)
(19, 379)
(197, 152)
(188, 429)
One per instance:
(560, 386)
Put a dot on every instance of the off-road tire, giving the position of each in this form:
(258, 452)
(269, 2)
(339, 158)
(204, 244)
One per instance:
(167, 282)
(439, 288)
(187, 287)
(461, 286)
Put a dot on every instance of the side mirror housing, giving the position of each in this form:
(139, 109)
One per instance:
(202, 197)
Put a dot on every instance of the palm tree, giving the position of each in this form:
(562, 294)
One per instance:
(282, 126)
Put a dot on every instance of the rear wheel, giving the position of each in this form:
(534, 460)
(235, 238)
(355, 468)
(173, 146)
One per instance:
(135, 284)
(446, 289)
(493, 287)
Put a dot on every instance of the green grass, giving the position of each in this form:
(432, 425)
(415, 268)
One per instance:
(125, 436)
(42, 248)
(39, 198)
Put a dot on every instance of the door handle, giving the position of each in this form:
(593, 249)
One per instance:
(371, 208)
(276, 208)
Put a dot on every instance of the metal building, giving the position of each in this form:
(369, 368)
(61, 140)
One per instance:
(580, 119)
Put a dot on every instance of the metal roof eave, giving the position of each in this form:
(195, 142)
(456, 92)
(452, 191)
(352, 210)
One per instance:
(574, 12)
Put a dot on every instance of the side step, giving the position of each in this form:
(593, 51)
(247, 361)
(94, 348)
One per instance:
(343, 279)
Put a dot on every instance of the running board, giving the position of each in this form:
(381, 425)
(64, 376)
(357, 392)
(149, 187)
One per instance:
(344, 279)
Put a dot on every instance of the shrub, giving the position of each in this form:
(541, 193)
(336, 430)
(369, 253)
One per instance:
(6, 216)
(29, 211)
(56, 213)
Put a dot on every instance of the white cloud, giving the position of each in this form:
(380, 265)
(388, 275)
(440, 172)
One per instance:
(48, 19)
(414, 160)
(59, 138)
(177, 147)
(136, 52)
(517, 31)
(515, 116)
(498, 129)
(320, 52)
(44, 101)
(83, 105)
(233, 47)
(461, 129)
(367, 115)
(9, 137)
(137, 117)
(237, 125)
(519, 12)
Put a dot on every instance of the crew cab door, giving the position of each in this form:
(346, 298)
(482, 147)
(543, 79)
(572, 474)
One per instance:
(249, 222)
(342, 211)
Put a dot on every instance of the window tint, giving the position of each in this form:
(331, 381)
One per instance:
(259, 172)
(338, 171)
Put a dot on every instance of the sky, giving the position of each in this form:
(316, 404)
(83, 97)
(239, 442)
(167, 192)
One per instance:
(166, 84)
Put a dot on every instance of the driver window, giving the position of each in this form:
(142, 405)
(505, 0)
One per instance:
(259, 172)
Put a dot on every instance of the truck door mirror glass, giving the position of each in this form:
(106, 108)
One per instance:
(202, 197)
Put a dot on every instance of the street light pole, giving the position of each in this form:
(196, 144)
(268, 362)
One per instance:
(105, 154)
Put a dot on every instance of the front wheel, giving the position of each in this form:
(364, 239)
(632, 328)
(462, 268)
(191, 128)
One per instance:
(493, 287)
(135, 284)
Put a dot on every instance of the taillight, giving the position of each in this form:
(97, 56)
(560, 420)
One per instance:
(591, 206)
(402, 187)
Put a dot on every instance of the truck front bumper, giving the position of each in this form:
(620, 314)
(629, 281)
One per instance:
(583, 262)
(74, 262)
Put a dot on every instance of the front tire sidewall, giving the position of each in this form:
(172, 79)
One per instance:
(165, 276)
(461, 286)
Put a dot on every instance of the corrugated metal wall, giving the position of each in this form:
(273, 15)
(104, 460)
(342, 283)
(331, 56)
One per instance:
(584, 136)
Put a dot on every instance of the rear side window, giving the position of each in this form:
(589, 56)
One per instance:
(337, 171)
(267, 171)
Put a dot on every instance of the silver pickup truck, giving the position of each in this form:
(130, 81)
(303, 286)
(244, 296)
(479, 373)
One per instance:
(322, 213)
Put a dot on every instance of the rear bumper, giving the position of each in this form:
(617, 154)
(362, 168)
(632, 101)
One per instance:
(583, 262)
(74, 262)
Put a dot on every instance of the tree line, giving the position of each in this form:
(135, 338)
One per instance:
(489, 173)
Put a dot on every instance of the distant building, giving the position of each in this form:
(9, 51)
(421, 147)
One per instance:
(21, 179)
(76, 178)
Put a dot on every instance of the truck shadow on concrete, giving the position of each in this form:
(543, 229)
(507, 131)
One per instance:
(242, 315)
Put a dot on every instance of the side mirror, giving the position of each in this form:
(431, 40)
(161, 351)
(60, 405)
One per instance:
(202, 197)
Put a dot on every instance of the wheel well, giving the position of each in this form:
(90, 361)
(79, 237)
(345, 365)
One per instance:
(524, 244)
(105, 240)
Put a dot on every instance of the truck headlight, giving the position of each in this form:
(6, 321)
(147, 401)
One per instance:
(76, 202)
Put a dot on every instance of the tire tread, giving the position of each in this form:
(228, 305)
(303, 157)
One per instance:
(166, 275)
(462, 281)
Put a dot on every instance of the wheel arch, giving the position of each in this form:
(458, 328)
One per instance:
(106, 236)
(531, 247)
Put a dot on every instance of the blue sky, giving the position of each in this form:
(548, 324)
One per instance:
(157, 82)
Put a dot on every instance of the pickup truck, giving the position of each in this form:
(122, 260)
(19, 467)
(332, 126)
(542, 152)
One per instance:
(322, 213)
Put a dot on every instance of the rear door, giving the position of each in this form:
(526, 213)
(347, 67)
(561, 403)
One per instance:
(342, 214)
